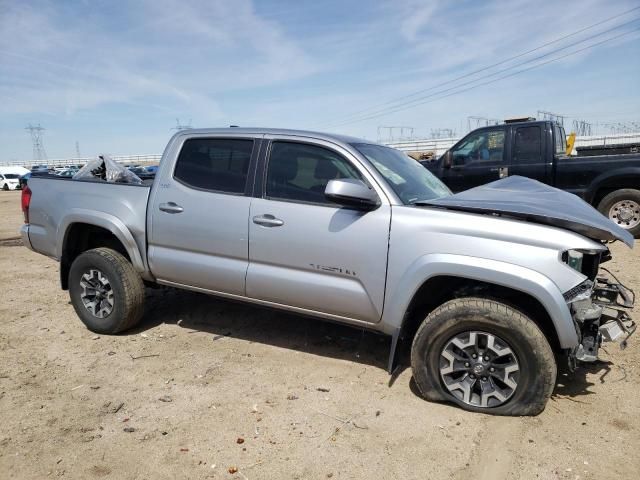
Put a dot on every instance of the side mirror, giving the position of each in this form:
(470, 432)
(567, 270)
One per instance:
(447, 159)
(351, 193)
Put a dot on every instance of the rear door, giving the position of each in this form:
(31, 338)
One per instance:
(529, 156)
(477, 159)
(198, 229)
(307, 252)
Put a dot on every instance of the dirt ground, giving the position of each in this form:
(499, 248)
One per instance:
(205, 386)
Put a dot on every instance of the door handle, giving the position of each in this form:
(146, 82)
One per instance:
(171, 207)
(267, 220)
(502, 171)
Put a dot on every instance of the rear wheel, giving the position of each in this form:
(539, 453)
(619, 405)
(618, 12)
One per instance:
(623, 208)
(485, 357)
(106, 291)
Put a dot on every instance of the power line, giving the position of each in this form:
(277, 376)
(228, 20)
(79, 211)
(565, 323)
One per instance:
(396, 100)
(430, 98)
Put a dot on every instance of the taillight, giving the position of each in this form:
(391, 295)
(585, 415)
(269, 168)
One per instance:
(26, 200)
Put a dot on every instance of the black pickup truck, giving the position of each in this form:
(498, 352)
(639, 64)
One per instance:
(537, 149)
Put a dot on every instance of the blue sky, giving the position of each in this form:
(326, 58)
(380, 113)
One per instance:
(114, 76)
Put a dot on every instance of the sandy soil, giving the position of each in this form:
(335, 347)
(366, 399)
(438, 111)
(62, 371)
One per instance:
(204, 386)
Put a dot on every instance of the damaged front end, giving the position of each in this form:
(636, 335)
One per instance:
(599, 307)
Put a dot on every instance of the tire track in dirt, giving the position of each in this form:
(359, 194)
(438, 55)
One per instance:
(11, 242)
(493, 452)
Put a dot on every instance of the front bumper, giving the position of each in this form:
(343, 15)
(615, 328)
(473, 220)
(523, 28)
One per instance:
(600, 314)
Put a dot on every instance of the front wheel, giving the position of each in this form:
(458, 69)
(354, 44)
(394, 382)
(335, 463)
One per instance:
(485, 357)
(106, 291)
(5, 187)
(623, 208)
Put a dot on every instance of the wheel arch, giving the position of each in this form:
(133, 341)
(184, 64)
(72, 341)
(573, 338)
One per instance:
(439, 278)
(609, 182)
(80, 232)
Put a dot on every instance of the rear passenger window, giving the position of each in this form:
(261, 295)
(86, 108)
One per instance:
(214, 164)
(300, 172)
(528, 147)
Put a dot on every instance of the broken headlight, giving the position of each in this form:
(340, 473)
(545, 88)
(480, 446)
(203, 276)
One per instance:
(586, 262)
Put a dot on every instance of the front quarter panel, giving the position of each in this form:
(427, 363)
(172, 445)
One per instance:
(425, 243)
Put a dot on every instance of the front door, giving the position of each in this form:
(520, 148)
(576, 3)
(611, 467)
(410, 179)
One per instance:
(311, 254)
(477, 159)
(198, 233)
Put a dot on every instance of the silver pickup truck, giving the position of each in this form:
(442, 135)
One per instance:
(490, 288)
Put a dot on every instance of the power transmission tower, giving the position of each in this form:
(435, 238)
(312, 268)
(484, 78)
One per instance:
(553, 117)
(78, 150)
(180, 126)
(477, 122)
(391, 137)
(442, 133)
(582, 128)
(36, 139)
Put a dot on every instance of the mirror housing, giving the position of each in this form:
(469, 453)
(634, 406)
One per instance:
(350, 192)
(447, 159)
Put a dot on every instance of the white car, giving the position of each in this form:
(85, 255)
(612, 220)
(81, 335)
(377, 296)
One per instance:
(9, 181)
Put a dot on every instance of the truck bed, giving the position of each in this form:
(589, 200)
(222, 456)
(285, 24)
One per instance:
(58, 202)
(580, 174)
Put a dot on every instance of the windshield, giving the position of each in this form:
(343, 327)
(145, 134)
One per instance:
(11, 175)
(408, 179)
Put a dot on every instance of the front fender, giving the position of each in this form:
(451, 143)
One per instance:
(491, 271)
(106, 221)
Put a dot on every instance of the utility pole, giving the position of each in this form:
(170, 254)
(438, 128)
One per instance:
(78, 150)
(36, 138)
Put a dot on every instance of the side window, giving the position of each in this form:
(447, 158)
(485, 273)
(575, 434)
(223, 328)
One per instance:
(561, 141)
(214, 164)
(480, 147)
(300, 172)
(528, 145)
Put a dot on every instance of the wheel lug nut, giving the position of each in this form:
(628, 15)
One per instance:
(474, 355)
(486, 358)
(472, 376)
(484, 379)
(466, 364)
(492, 369)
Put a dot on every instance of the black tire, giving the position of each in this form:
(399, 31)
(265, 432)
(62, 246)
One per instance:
(5, 187)
(537, 366)
(124, 282)
(624, 194)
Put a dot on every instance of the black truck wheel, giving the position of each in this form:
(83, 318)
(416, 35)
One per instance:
(105, 290)
(623, 207)
(485, 357)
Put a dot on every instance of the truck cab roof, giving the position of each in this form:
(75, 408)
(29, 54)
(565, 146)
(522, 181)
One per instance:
(331, 137)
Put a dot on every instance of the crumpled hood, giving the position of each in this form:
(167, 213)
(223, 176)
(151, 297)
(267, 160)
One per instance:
(530, 200)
